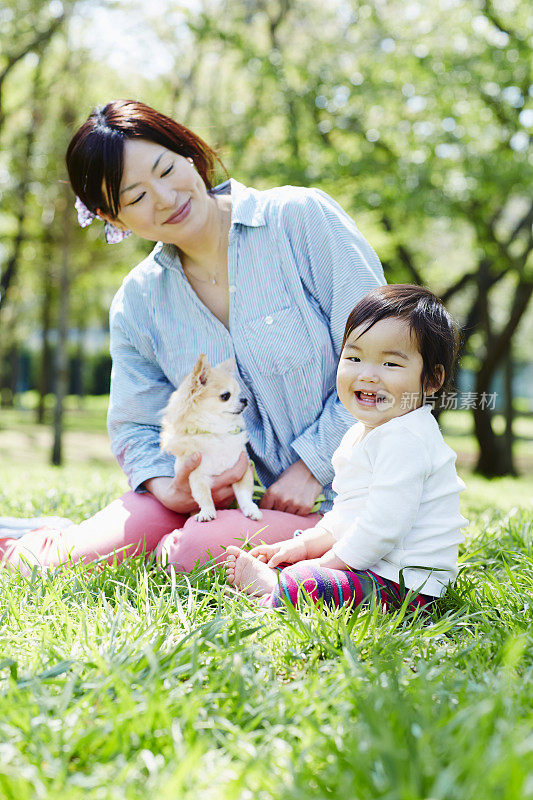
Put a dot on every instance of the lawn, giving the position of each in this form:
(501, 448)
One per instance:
(125, 682)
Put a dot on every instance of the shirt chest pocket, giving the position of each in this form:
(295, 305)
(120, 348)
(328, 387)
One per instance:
(279, 341)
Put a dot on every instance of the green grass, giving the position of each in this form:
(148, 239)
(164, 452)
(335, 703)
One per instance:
(125, 682)
(86, 414)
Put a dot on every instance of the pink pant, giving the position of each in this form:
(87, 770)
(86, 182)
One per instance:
(138, 522)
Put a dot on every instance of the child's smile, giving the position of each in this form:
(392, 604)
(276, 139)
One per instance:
(367, 398)
(379, 373)
(373, 399)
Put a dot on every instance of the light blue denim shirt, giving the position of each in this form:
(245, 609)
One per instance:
(297, 265)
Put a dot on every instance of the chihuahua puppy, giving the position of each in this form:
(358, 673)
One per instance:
(204, 415)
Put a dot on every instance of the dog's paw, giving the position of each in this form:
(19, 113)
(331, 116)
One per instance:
(252, 512)
(205, 515)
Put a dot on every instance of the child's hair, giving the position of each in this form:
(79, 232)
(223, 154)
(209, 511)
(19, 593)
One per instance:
(434, 328)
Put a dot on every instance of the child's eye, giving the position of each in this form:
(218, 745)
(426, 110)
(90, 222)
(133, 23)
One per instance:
(355, 359)
(137, 199)
(391, 364)
(225, 396)
(168, 169)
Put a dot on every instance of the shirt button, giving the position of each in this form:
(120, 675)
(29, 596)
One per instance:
(233, 289)
(269, 320)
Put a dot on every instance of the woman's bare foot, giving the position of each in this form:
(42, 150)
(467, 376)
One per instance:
(248, 574)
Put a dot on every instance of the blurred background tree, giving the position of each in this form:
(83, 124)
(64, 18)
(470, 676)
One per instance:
(416, 117)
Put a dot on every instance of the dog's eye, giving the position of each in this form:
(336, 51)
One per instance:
(226, 396)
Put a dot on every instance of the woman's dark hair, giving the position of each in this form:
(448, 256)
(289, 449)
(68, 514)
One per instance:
(95, 155)
(435, 330)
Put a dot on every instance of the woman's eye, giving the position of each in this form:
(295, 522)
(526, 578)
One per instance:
(226, 396)
(137, 199)
(168, 169)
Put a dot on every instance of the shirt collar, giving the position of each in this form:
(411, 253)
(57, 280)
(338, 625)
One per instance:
(247, 205)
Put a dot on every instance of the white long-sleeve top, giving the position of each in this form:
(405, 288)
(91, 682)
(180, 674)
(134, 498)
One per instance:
(396, 508)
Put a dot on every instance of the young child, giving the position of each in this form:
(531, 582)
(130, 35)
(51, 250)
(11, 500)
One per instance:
(395, 524)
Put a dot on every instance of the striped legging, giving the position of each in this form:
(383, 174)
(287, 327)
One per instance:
(338, 587)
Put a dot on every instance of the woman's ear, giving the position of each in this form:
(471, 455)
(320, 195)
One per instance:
(434, 385)
(115, 222)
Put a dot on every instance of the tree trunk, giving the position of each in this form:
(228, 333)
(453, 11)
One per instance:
(46, 353)
(8, 275)
(61, 376)
(490, 455)
(495, 458)
(508, 438)
(14, 360)
(78, 365)
(9, 370)
(489, 447)
(292, 118)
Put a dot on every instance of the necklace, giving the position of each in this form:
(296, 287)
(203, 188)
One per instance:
(213, 279)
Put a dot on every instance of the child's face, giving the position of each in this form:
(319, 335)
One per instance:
(379, 373)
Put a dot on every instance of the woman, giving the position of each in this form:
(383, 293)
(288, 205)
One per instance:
(266, 277)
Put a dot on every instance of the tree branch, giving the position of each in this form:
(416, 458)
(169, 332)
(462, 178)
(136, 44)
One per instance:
(35, 44)
(404, 255)
(275, 21)
(525, 222)
(499, 345)
(471, 323)
(463, 281)
(491, 15)
(8, 274)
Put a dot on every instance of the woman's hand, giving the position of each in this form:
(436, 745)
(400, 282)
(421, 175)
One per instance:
(175, 493)
(288, 552)
(294, 492)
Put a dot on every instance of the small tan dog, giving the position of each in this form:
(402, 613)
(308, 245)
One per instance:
(204, 415)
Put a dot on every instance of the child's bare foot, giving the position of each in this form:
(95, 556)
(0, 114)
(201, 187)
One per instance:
(248, 574)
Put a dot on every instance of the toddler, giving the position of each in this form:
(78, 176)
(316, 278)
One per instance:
(395, 524)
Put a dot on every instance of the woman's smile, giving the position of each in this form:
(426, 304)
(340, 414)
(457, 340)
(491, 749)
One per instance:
(182, 213)
(160, 190)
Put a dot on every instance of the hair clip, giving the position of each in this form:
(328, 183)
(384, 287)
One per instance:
(113, 235)
(85, 217)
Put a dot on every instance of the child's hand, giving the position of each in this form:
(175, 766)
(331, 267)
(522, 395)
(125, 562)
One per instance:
(331, 561)
(264, 552)
(288, 552)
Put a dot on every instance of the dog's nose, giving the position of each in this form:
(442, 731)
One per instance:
(243, 401)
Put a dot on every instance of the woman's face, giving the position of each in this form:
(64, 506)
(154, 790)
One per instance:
(162, 197)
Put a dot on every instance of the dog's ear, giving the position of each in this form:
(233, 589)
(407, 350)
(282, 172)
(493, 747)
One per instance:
(228, 365)
(200, 371)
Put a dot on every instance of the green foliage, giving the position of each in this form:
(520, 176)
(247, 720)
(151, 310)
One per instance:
(415, 117)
